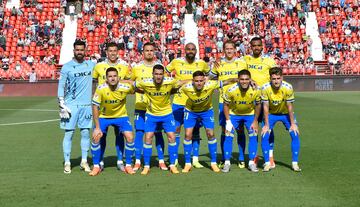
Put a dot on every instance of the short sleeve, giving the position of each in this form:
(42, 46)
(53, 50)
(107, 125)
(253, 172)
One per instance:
(97, 97)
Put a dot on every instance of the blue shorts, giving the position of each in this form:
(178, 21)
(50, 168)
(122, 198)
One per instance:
(222, 120)
(284, 118)
(238, 120)
(80, 115)
(139, 121)
(166, 122)
(178, 112)
(122, 123)
(206, 118)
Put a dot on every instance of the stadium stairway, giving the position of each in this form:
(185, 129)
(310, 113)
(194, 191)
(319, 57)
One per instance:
(313, 31)
(13, 3)
(191, 31)
(68, 38)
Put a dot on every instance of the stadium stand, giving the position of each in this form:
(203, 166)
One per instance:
(114, 21)
(31, 34)
(33, 38)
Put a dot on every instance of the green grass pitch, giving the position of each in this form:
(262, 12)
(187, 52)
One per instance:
(31, 172)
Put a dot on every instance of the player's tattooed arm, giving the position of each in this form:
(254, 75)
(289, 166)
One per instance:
(97, 133)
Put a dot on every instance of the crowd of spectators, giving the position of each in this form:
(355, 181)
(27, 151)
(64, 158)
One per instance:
(280, 24)
(149, 21)
(31, 35)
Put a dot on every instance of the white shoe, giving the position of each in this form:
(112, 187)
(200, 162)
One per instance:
(67, 168)
(85, 166)
(253, 168)
(296, 167)
(267, 168)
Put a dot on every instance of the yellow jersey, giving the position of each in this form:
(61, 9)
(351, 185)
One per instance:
(112, 103)
(100, 70)
(277, 99)
(227, 70)
(140, 72)
(158, 98)
(198, 101)
(259, 68)
(241, 103)
(183, 71)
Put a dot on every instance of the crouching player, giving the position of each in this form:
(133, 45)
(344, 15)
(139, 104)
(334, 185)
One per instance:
(109, 109)
(158, 90)
(278, 99)
(198, 107)
(241, 106)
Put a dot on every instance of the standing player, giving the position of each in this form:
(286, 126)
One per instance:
(159, 114)
(229, 67)
(183, 69)
(241, 106)
(198, 107)
(259, 67)
(278, 99)
(99, 73)
(74, 95)
(109, 109)
(140, 72)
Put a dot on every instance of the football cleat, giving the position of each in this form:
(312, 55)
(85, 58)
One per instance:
(67, 168)
(137, 166)
(272, 163)
(266, 168)
(95, 171)
(163, 166)
(85, 166)
(226, 168)
(253, 168)
(120, 166)
(187, 168)
(129, 170)
(174, 170)
(145, 171)
(296, 167)
(197, 165)
(215, 168)
(241, 164)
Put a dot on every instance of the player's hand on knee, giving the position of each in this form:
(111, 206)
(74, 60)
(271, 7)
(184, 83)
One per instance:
(97, 134)
(65, 112)
(294, 128)
(229, 126)
(265, 129)
(255, 126)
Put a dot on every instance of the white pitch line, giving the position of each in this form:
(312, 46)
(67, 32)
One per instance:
(29, 122)
(28, 110)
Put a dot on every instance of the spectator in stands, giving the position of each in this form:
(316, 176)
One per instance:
(5, 63)
(2, 41)
(72, 11)
(32, 76)
(30, 60)
(27, 3)
(39, 7)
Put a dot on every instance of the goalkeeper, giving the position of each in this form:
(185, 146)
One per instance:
(74, 94)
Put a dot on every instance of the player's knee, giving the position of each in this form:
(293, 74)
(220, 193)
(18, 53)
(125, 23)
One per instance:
(178, 129)
(210, 134)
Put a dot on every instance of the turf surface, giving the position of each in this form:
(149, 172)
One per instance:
(32, 173)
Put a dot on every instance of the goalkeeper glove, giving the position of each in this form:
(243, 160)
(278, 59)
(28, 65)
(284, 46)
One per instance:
(229, 126)
(65, 112)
